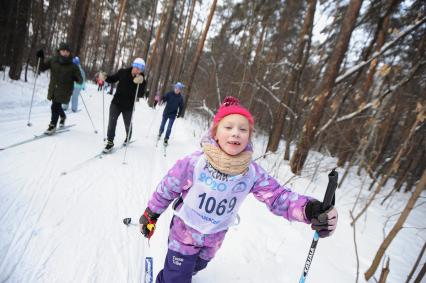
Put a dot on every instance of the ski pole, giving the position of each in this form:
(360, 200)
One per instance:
(326, 204)
(103, 111)
(131, 123)
(88, 114)
(149, 260)
(32, 96)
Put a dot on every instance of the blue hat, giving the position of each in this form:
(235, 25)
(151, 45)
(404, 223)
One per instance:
(139, 63)
(76, 60)
(179, 85)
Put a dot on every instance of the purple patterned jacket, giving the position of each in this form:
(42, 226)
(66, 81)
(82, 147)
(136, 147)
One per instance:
(280, 200)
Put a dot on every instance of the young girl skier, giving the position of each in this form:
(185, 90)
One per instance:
(210, 185)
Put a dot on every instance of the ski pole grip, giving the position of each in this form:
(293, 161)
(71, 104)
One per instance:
(331, 189)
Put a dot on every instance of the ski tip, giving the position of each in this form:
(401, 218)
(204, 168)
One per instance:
(127, 220)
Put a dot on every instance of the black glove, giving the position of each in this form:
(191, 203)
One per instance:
(148, 221)
(322, 220)
(40, 54)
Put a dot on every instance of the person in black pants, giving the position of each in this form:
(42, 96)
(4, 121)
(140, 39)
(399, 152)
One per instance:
(173, 110)
(123, 102)
(63, 74)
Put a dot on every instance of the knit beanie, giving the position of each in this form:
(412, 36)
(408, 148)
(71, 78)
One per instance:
(64, 46)
(139, 63)
(231, 105)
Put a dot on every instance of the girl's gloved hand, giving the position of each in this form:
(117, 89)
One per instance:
(147, 222)
(322, 221)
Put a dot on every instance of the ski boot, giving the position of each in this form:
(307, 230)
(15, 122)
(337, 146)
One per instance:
(62, 122)
(125, 142)
(50, 130)
(108, 147)
(166, 142)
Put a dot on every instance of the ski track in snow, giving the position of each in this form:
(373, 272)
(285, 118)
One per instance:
(22, 239)
(68, 228)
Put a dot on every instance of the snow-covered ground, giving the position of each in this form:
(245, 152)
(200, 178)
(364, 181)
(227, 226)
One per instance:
(68, 228)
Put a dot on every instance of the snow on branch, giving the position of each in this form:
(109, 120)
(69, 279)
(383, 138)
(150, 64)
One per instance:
(206, 108)
(382, 50)
(276, 98)
(373, 103)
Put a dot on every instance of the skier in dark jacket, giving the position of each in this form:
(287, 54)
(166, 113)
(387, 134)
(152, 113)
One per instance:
(63, 75)
(173, 110)
(124, 98)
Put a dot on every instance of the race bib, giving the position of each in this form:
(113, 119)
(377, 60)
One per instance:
(212, 202)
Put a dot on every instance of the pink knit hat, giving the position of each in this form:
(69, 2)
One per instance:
(231, 105)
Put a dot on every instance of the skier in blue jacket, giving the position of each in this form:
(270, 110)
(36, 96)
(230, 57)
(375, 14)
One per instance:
(173, 110)
(77, 87)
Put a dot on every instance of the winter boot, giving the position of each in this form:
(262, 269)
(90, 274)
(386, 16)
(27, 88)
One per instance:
(62, 122)
(108, 147)
(166, 142)
(50, 130)
(125, 142)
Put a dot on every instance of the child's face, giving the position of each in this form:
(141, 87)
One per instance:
(233, 134)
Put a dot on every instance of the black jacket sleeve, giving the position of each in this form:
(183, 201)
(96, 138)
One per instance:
(44, 65)
(180, 109)
(113, 78)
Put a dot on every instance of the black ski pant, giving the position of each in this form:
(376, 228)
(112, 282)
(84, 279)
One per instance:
(56, 112)
(114, 112)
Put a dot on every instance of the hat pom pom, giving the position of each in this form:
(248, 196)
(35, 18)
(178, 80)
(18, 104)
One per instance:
(230, 100)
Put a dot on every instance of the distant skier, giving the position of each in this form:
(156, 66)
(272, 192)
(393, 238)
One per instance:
(77, 87)
(210, 185)
(124, 97)
(173, 110)
(100, 83)
(63, 74)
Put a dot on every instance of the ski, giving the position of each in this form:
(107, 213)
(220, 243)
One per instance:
(40, 136)
(95, 157)
(149, 261)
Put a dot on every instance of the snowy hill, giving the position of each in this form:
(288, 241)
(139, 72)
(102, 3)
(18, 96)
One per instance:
(68, 228)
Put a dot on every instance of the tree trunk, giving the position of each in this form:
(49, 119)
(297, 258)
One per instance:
(421, 274)
(19, 39)
(173, 49)
(421, 109)
(311, 125)
(6, 28)
(78, 27)
(110, 58)
(289, 92)
(162, 54)
(148, 42)
(397, 227)
(198, 55)
(416, 264)
(177, 75)
(157, 41)
(385, 273)
(97, 30)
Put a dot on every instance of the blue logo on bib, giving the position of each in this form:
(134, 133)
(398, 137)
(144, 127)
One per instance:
(239, 187)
